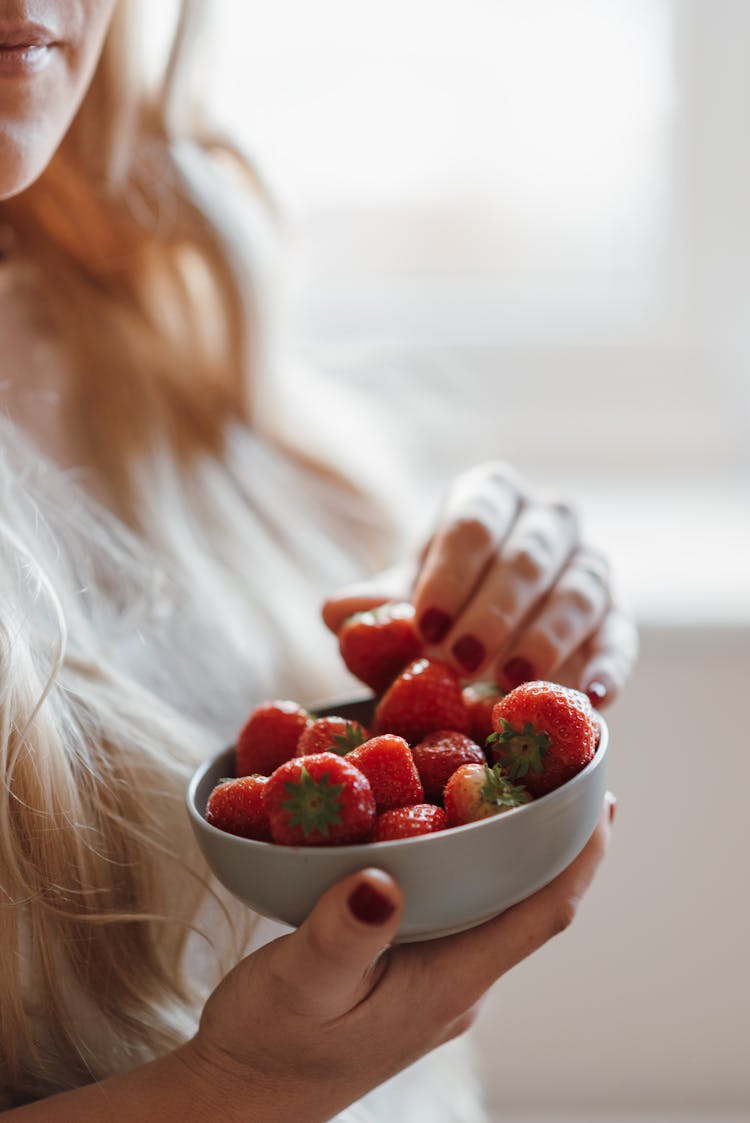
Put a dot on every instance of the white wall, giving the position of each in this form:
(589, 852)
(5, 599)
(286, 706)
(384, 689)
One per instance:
(644, 1003)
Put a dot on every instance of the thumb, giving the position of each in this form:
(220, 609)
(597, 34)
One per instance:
(328, 963)
(392, 584)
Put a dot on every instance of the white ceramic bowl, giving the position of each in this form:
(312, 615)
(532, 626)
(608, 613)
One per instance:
(451, 880)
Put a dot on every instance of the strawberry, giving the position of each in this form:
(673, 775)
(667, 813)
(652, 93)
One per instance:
(388, 764)
(237, 806)
(439, 754)
(270, 737)
(480, 699)
(425, 697)
(476, 791)
(544, 735)
(405, 822)
(319, 800)
(331, 735)
(377, 644)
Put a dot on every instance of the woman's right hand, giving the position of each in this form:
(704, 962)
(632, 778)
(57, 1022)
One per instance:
(312, 1021)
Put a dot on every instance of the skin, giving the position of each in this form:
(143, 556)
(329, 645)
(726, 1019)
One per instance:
(508, 568)
(36, 110)
(313, 1020)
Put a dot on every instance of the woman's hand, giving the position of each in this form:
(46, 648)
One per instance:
(505, 589)
(314, 1020)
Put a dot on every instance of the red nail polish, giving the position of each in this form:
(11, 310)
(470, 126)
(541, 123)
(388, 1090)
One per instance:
(469, 652)
(369, 906)
(518, 670)
(434, 624)
(597, 693)
(612, 810)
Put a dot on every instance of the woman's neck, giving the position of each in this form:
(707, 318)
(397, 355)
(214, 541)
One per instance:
(33, 375)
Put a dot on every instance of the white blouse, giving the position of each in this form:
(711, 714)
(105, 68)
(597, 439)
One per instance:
(273, 645)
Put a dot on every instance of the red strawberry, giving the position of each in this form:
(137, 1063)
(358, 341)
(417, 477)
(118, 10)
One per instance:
(331, 735)
(480, 699)
(270, 737)
(319, 800)
(405, 822)
(425, 697)
(387, 763)
(376, 645)
(544, 735)
(476, 791)
(237, 806)
(438, 756)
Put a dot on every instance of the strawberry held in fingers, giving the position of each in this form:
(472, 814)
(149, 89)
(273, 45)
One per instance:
(331, 735)
(237, 806)
(320, 800)
(425, 697)
(439, 754)
(406, 822)
(476, 791)
(270, 737)
(544, 735)
(377, 644)
(389, 766)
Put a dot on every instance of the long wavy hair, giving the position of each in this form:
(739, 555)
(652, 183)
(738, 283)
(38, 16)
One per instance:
(125, 251)
(145, 588)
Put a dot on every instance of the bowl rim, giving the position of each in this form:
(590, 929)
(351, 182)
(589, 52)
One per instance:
(395, 843)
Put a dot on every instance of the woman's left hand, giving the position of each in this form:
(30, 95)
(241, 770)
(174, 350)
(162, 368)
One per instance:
(506, 590)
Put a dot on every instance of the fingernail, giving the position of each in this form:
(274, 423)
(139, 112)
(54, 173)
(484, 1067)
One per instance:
(434, 624)
(597, 692)
(518, 670)
(612, 807)
(469, 652)
(369, 906)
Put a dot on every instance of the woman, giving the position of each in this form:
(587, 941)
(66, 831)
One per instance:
(165, 537)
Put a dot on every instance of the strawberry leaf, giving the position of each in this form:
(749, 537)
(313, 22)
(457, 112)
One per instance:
(313, 805)
(520, 751)
(500, 792)
(352, 738)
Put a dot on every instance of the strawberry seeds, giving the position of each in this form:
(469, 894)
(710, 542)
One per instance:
(306, 781)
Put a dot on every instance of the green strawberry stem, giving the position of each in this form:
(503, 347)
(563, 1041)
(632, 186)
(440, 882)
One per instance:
(500, 792)
(519, 751)
(313, 805)
(343, 743)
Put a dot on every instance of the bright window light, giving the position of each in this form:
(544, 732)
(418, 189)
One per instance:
(458, 136)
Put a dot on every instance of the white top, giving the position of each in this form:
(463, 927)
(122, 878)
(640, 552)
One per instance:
(289, 654)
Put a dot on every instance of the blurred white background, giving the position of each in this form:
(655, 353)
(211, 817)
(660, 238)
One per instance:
(523, 225)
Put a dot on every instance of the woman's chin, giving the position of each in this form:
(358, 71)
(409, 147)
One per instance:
(20, 164)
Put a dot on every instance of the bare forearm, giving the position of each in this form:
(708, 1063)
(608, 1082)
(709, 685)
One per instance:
(166, 1089)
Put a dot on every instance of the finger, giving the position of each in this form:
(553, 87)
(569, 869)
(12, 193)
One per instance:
(392, 584)
(326, 966)
(572, 612)
(489, 951)
(521, 575)
(602, 666)
(480, 510)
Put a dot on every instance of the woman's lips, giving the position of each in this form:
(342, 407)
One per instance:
(25, 49)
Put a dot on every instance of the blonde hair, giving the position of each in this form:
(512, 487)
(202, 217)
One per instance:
(99, 884)
(127, 249)
(126, 237)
